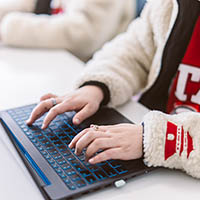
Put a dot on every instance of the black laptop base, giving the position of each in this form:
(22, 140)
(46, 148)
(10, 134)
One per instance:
(58, 172)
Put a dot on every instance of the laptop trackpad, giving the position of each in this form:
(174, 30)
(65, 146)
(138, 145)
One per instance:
(106, 116)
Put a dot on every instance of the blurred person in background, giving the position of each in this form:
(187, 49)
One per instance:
(79, 26)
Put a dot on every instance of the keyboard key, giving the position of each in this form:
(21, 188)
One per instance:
(115, 163)
(49, 146)
(65, 127)
(40, 148)
(109, 170)
(93, 167)
(62, 175)
(72, 150)
(50, 134)
(62, 148)
(75, 177)
(58, 170)
(66, 153)
(90, 179)
(53, 127)
(72, 134)
(71, 186)
(70, 158)
(54, 138)
(100, 174)
(58, 143)
(79, 167)
(55, 166)
(52, 151)
(47, 156)
(85, 173)
(45, 142)
(75, 163)
(34, 128)
(30, 137)
(80, 183)
(61, 161)
(37, 133)
(41, 138)
(57, 156)
(61, 134)
(28, 133)
(66, 140)
(37, 144)
(66, 166)
(44, 153)
(51, 161)
(121, 170)
(66, 180)
(70, 172)
(33, 140)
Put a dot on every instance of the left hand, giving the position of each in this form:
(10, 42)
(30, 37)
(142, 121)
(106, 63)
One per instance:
(122, 141)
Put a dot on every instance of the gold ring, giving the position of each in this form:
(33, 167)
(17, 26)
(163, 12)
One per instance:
(95, 127)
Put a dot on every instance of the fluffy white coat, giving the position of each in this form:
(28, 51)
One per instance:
(130, 64)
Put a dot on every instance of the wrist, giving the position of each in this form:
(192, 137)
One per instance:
(96, 91)
(104, 88)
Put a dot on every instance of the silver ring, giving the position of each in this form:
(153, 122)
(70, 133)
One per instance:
(53, 100)
(95, 127)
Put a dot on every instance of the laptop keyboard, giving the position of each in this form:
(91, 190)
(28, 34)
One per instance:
(53, 143)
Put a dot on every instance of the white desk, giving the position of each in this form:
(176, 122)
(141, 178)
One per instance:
(25, 75)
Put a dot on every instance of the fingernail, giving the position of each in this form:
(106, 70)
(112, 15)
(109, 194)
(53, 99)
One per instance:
(91, 160)
(77, 121)
(70, 145)
(43, 126)
(76, 152)
(28, 121)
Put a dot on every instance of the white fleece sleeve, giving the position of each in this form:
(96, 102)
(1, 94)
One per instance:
(123, 64)
(7, 6)
(173, 141)
(83, 29)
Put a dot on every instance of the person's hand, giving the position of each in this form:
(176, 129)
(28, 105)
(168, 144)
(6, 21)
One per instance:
(123, 141)
(85, 100)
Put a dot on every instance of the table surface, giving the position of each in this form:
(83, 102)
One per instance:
(27, 74)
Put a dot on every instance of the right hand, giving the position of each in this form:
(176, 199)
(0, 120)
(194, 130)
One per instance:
(86, 100)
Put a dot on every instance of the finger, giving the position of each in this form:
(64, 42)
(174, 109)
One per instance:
(48, 96)
(100, 143)
(88, 138)
(77, 137)
(113, 153)
(39, 110)
(104, 128)
(87, 111)
(56, 110)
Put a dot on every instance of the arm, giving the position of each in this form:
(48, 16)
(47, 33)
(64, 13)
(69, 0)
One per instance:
(123, 64)
(173, 141)
(7, 6)
(82, 30)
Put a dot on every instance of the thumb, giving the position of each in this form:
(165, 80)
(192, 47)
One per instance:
(84, 113)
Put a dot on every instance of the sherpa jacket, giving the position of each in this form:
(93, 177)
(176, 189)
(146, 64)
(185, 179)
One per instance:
(82, 29)
(133, 62)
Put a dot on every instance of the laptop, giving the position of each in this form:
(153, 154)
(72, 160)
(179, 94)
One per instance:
(57, 171)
